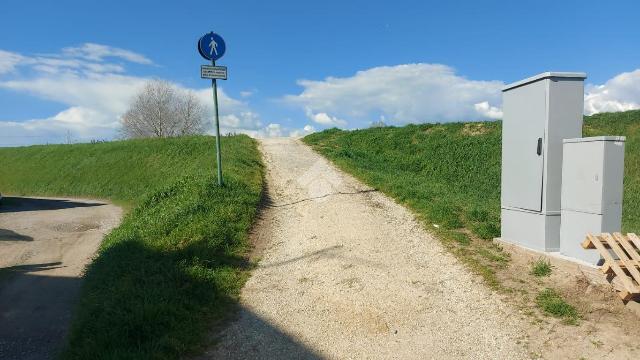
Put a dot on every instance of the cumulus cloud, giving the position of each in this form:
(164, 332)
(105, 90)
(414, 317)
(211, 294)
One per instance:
(324, 118)
(67, 125)
(402, 94)
(621, 93)
(108, 93)
(306, 130)
(415, 93)
(96, 92)
(488, 111)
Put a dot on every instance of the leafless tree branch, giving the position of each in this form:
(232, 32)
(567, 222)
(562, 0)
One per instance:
(162, 110)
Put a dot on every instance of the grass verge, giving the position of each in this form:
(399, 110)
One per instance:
(178, 260)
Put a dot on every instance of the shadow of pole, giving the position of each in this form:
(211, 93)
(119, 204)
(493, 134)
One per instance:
(10, 235)
(11, 204)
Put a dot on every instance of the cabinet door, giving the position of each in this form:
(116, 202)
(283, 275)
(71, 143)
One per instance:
(523, 146)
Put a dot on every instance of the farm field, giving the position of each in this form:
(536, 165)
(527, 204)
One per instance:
(176, 263)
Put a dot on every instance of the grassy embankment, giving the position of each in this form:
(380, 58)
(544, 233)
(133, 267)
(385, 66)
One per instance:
(177, 261)
(449, 174)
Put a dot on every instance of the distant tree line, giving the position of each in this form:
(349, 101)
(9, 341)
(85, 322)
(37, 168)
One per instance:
(162, 110)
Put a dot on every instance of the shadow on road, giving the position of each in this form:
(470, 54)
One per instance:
(133, 299)
(9, 235)
(35, 312)
(250, 336)
(33, 267)
(11, 204)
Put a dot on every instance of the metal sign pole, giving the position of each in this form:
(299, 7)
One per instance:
(211, 46)
(214, 85)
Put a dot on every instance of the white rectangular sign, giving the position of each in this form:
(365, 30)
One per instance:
(213, 72)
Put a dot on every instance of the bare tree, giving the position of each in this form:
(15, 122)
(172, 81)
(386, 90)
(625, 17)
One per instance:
(162, 110)
(190, 113)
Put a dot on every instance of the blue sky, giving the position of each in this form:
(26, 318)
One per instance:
(72, 66)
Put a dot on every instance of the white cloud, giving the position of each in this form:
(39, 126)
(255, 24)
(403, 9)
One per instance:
(97, 93)
(306, 130)
(431, 93)
(620, 93)
(108, 93)
(324, 118)
(94, 103)
(235, 116)
(67, 125)
(488, 111)
(9, 61)
(273, 130)
(98, 52)
(402, 93)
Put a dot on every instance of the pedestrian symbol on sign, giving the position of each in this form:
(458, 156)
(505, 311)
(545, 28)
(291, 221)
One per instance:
(211, 46)
(214, 47)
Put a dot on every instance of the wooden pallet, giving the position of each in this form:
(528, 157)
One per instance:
(621, 256)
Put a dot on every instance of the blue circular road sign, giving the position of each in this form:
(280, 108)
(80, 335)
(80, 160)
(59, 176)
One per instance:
(211, 46)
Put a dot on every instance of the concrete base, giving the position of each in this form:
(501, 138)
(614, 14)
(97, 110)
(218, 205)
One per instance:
(552, 254)
(532, 230)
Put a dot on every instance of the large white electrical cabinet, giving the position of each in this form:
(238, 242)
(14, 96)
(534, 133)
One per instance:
(539, 112)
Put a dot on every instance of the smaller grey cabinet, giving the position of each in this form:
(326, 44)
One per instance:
(592, 179)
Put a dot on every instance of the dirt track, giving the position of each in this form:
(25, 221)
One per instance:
(348, 273)
(44, 246)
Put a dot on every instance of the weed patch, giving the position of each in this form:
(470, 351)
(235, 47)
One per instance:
(541, 268)
(553, 304)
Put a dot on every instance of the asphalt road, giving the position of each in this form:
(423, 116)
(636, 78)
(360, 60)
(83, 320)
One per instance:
(45, 244)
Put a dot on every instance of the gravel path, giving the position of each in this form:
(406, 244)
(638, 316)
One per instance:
(45, 244)
(348, 273)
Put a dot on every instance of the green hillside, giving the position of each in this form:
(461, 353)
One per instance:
(449, 174)
(177, 262)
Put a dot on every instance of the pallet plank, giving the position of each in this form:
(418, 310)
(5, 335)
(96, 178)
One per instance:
(624, 279)
(623, 256)
(630, 249)
(634, 240)
(587, 244)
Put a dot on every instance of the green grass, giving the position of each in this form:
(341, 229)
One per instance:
(449, 174)
(551, 303)
(541, 268)
(177, 262)
(627, 124)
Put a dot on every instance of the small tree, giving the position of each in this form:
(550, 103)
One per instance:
(378, 124)
(162, 110)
